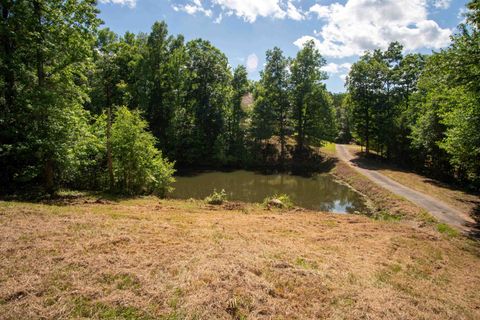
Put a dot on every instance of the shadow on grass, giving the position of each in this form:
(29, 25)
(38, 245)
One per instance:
(475, 228)
(67, 197)
(375, 162)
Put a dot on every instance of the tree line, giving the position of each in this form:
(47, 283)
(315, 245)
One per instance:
(83, 107)
(421, 111)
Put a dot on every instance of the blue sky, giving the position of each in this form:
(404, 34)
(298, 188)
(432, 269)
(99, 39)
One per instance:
(245, 29)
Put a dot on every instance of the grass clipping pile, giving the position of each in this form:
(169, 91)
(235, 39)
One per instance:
(141, 259)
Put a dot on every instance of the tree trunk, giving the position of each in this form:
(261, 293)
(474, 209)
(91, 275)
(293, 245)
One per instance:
(367, 145)
(9, 75)
(49, 177)
(282, 142)
(109, 149)
(49, 174)
(300, 137)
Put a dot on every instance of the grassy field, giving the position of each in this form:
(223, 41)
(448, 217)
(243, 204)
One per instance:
(163, 259)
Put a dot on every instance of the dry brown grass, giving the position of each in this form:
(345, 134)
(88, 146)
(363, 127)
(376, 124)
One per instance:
(150, 259)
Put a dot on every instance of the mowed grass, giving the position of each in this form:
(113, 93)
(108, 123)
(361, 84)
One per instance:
(163, 259)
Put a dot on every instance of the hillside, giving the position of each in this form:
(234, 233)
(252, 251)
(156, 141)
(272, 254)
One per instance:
(150, 259)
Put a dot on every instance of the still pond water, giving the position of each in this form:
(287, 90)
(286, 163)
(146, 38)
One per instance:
(320, 192)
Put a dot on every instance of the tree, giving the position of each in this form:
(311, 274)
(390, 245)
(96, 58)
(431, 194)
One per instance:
(154, 84)
(272, 110)
(209, 93)
(451, 96)
(311, 104)
(46, 62)
(428, 130)
(263, 124)
(361, 87)
(343, 112)
(236, 114)
(138, 165)
(375, 85)
(105, 83)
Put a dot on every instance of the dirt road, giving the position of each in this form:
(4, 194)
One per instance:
(437, 208)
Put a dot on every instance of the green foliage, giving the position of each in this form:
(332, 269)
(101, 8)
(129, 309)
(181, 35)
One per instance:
(420, 111)
(43, 87)
(216, 198)
(272, 110)
(138, 165)
(282, 201)
(208, 93)
(236, 117)
(292, 102)
(311, 104)
(61, 78)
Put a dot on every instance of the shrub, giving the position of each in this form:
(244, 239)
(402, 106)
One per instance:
(139, 166)
(282, 201)
(216, 198)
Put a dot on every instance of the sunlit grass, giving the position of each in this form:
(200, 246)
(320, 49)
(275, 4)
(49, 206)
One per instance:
(328, 148)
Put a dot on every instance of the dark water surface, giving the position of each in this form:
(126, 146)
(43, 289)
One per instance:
(320, 192)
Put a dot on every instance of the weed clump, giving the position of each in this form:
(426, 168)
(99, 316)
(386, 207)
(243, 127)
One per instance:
(447, 230)
(281, 201)
(386, 216)
(216, 198)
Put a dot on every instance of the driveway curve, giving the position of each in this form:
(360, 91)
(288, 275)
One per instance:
(434, 206)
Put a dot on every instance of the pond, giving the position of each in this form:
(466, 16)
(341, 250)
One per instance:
(320, 192)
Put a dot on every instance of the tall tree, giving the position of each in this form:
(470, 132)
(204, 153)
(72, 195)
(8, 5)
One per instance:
(311, 104)
(154, 87)
(363, 83)
(272, 112)
(54, 40)
(209, 93)
(237, 114)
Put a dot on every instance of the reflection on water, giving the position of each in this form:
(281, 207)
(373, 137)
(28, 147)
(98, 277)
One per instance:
(320, 192)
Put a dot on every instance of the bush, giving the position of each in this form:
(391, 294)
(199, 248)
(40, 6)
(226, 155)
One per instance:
(282, 201)
(138, 166)
(216, 198)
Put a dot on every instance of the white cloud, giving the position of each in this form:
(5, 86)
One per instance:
(248, 10)
(128, 3)
(442, 4)
(334, 68)
(218, 19)
(319, 10)
(193, 8)
(361, 25)
(462, 15)
(294, 13)
(252, 63)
